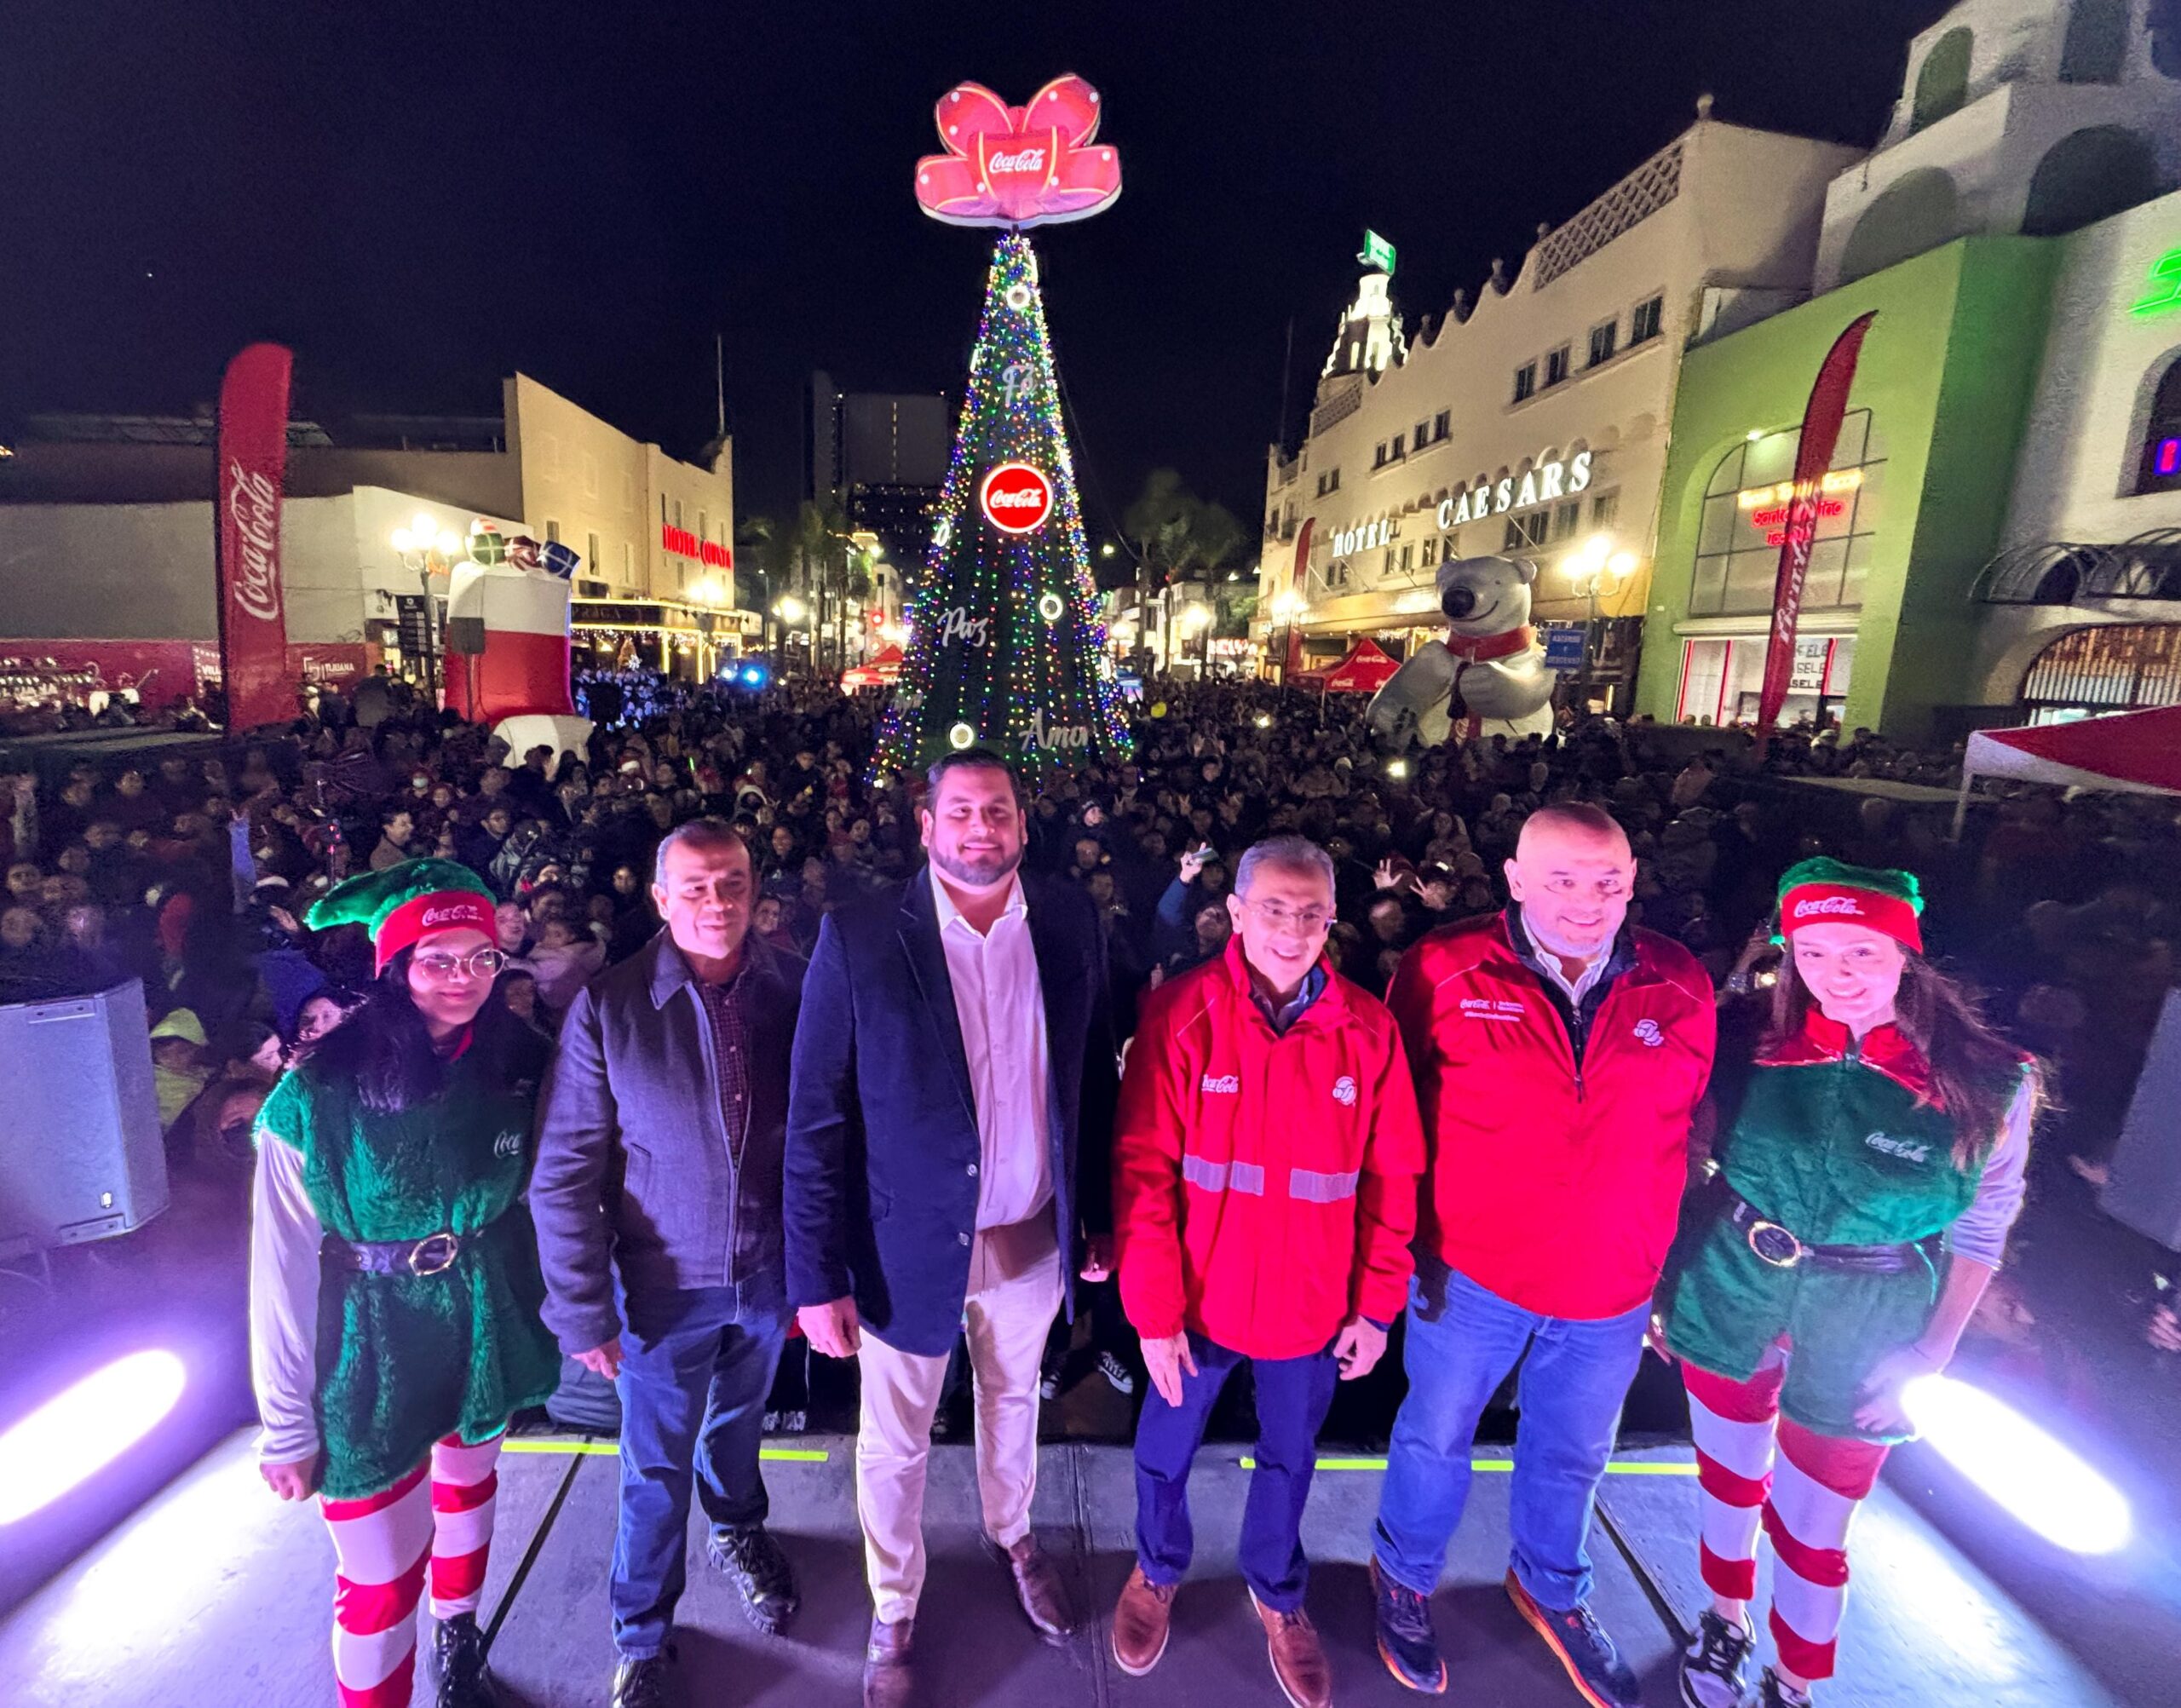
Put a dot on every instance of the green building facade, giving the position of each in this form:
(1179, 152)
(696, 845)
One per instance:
(1913, 511)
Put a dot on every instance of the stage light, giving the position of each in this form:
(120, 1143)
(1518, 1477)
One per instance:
(2042, 1483)
(84, 1428)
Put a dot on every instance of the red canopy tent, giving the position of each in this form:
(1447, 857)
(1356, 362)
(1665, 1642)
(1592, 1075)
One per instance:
(2137, 751)
(880, 670)
(1365, 670)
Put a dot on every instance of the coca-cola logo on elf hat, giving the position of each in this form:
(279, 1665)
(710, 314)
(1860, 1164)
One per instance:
(1016, 497)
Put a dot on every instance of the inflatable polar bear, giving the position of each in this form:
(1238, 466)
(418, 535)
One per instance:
(1489, 673)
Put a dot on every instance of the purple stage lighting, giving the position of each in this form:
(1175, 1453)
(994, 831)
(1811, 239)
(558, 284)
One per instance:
(84, 1428)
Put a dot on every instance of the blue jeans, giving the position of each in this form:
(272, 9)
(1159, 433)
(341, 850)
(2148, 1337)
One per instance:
(1293, 1395)
(695, 1368)
(1462, 1341)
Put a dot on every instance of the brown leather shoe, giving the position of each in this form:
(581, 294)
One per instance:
(1038, 1587)
(1298, 1658)
(1142, 1618)
(888, 1681)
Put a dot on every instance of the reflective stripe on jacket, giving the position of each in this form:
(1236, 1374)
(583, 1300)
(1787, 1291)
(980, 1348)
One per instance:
(1555, 1185)
(1264, 1184)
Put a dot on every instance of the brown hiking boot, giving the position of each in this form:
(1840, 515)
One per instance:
(1298, 1658)
(887, 1679)
(1142, 1619)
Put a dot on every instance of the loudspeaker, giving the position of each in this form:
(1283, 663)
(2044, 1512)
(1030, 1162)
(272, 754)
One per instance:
(81, 1157)
(2143, 1190)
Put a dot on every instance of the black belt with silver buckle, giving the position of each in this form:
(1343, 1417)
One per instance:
(429, 1256)
(1780, 1247)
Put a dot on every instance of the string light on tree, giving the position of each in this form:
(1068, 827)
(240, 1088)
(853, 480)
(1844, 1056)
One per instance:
(1004, 644)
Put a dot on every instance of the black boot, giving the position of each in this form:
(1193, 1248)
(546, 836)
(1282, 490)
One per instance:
(760, 1572)
(459, 1660)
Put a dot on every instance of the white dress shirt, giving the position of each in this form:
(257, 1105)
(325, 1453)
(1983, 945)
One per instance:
(1001, 1008)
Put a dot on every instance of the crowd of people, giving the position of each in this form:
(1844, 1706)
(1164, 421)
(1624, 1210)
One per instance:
(272, 897)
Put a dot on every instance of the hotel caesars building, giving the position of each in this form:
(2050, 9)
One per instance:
(106, 531)
(1533, 422)
(1999, 534)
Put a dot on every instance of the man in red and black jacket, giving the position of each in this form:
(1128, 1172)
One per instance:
(1265, 1161)
(1560, 1055)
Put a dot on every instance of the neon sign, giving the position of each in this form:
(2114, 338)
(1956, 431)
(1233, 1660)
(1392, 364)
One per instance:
(2163, 295)
(683, 544)
(1839, 480)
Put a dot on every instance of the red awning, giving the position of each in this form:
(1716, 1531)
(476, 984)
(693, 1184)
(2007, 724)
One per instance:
(877, 671)
(2139, 750)
(1365, 670)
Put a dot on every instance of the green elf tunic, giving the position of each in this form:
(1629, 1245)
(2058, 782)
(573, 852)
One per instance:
(1841, 1144)
(404, 1360)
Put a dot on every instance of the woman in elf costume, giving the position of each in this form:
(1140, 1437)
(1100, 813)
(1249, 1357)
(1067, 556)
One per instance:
(394, 1285)
(1867, 1184)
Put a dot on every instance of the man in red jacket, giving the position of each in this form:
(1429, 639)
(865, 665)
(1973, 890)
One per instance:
(1559, 1057)
(1265, 1161)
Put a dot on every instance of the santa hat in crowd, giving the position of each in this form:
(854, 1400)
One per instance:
(406, 904)
(1820, 891)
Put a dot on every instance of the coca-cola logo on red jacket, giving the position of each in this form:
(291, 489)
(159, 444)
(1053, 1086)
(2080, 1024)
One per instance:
(1018, 166)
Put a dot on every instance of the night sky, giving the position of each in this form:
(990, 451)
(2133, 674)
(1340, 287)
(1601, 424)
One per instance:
(421, 199)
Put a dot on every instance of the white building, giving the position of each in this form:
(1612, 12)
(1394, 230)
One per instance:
(1533, 421)
(107, 530)
(2011, 114)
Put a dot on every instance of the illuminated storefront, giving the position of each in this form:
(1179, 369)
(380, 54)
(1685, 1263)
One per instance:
(1908, 514)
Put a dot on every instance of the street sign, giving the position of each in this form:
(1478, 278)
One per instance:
(1377, 253)
(1564, 647)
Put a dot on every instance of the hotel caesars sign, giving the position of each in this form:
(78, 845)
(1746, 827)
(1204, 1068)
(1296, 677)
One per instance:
(1538, 486)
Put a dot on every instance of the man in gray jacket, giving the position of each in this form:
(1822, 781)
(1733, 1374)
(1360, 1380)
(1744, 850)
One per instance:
(659, 1156)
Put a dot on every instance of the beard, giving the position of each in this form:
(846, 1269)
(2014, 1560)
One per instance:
(978, 874)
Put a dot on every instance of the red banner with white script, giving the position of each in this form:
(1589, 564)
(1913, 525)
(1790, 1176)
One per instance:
(1822, 419)
(252, 463)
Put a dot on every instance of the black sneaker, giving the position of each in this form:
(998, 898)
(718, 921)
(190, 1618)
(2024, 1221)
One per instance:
(1406, 1642)
(761, 1574)
(1579, 1643)
(1772, 1694)
(1715, 1672)
(458, 1662)
(1116, 1373)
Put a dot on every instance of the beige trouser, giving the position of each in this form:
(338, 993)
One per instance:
(1006, 1324)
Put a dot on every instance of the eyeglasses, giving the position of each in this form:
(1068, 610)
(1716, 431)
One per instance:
(1305, 919)
(486, 963)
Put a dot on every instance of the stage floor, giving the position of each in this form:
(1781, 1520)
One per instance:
(213, 1594)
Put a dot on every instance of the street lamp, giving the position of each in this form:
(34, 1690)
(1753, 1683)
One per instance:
(791, 611)
(427, 549)
(1196, 620)
(1595, 566)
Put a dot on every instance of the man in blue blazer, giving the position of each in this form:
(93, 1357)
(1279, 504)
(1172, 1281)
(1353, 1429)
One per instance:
(950, 1120)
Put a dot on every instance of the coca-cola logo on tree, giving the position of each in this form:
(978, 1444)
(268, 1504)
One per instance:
(1016, 497)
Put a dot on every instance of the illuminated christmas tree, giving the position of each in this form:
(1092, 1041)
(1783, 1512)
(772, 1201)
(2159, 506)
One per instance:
(1006, 651)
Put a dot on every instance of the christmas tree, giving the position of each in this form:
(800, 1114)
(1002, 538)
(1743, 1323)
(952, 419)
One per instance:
(1005, 648)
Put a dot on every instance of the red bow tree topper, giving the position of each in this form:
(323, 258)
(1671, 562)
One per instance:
(1018, 166)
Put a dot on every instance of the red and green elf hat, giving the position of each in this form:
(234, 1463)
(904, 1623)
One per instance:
(406, 904)
(1815, 891)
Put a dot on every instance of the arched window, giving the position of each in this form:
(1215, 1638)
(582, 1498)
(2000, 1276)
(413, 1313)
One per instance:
(2116, 667)
(2158, 464)
(1943, 80)
(1744, 522)
(1918, 211)
(2087, 176)
(2096, 42)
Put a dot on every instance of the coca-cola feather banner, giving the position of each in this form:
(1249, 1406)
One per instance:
(1822, 420)
(252, 463)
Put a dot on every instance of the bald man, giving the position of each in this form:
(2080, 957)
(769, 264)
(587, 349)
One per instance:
(1559, 1054)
